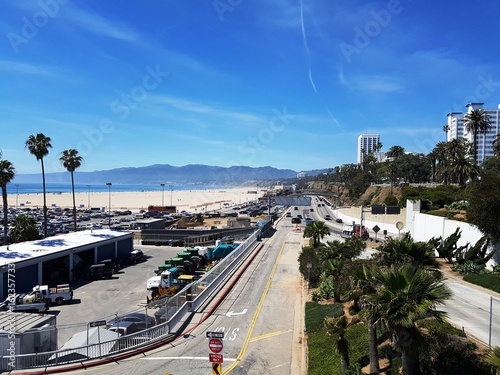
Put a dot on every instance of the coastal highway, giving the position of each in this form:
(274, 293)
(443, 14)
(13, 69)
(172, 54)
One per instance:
(261, 318)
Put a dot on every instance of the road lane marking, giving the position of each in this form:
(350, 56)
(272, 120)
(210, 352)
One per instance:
(270, 334)
(226, 359)
(256, 314)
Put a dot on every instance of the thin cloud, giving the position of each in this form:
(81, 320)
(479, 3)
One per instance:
(190, 106)
(13, 66)
(375, 83)
(96, 24)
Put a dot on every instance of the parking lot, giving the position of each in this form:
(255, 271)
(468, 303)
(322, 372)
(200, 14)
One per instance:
(108, 298)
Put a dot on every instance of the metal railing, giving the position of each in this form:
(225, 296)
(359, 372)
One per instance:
(171, 316)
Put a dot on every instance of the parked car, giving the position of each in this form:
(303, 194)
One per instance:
(328, 217)
(288, 214)
(142, 321)
(338, 220)
(135, 256)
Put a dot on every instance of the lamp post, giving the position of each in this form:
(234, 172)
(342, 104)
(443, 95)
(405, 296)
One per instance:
(171, 190)
(17, 195)
(162, 191)
(88, 197)
(108, 184)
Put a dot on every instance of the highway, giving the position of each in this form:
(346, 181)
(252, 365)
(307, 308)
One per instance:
(261, 318)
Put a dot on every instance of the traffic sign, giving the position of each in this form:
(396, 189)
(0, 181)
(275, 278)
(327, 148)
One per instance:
(215, 345)
(97, 323)
(217, 358)
(216, 369)
(215, 335)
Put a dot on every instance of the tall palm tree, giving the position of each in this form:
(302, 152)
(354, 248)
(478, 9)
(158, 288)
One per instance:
(395, 151)
(316, 230)
(405, 295)
(39, 145)
(476, 122)
(337, 327)
(7, 173)
(71, 161)
(464, 168)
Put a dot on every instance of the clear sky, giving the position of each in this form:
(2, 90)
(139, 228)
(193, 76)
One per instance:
(285, 83)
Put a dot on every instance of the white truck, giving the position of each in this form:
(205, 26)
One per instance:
(57, 295)
(25, 302)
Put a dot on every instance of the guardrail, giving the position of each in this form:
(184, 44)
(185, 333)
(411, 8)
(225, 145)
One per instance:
(171, 318)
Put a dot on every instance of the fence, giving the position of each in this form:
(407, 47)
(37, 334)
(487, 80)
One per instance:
(170, 315)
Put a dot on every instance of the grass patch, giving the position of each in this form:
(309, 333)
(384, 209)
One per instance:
(442, 327)
(316, 313)
(323, 356)
(487, 280)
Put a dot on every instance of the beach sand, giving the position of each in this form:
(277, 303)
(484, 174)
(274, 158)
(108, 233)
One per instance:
(188, 200)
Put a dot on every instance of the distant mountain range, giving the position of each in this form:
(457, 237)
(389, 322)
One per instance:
(165, 173)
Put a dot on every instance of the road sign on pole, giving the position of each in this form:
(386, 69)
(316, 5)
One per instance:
(215, 345)
(217, 358)
(216, 369)
(97, 323)
(215, 335)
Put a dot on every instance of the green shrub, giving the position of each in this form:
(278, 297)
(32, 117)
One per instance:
(326, 287)
(468, 268)
(441, 327)
(487, 280)
(316, 296)
(391, 200)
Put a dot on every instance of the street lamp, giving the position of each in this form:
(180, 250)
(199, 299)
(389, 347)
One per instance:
(88, 197)
(162, 191)
(108, 184)
(171, 190)
(17, 195)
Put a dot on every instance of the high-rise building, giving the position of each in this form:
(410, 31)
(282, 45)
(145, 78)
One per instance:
(484, 141)
(366, 144)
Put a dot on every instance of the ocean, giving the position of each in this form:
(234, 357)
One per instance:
(55, 188)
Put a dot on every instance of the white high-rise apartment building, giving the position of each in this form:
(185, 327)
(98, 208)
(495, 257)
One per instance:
(456, 129)
(366, 144)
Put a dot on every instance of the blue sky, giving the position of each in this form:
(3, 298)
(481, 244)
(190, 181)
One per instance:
(283, 83)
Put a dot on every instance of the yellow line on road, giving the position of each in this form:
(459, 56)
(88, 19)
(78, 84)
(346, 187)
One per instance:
(255, 316)
(270, 334)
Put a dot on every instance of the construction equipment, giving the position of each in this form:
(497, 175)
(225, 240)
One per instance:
(168, 283)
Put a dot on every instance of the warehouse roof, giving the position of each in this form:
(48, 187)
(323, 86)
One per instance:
(32, 249)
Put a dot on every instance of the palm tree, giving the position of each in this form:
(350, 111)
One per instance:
(71, 161)
(395, 151)
(405, 295)
(7, 173)
(39, 145)
(337, 327)
(24, 229)
(316, 230)
(464, 168)
(476, 122)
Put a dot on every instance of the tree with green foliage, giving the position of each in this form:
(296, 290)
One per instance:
(406, 294)
(484, 205)
(395, 151)
(24, 229)
(7, 173)
(38, 145)
(336, 327)
(312, 274)
(496, 145)
(316, 230)
(405, 250)
(448, 248)
(476, 122)
(71, 161)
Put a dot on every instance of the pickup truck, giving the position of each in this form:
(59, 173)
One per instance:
(58, 295)
(27, 303)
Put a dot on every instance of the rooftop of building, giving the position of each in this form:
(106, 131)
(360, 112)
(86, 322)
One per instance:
(32, 249)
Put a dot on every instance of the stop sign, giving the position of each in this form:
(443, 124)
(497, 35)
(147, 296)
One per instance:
(215, 345)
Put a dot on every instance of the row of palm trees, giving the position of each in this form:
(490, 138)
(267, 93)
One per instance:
(391, 292)
(38, 145)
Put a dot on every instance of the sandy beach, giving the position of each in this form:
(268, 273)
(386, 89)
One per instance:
(187, 200)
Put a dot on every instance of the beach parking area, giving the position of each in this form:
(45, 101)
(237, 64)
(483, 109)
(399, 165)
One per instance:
(184, 200)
